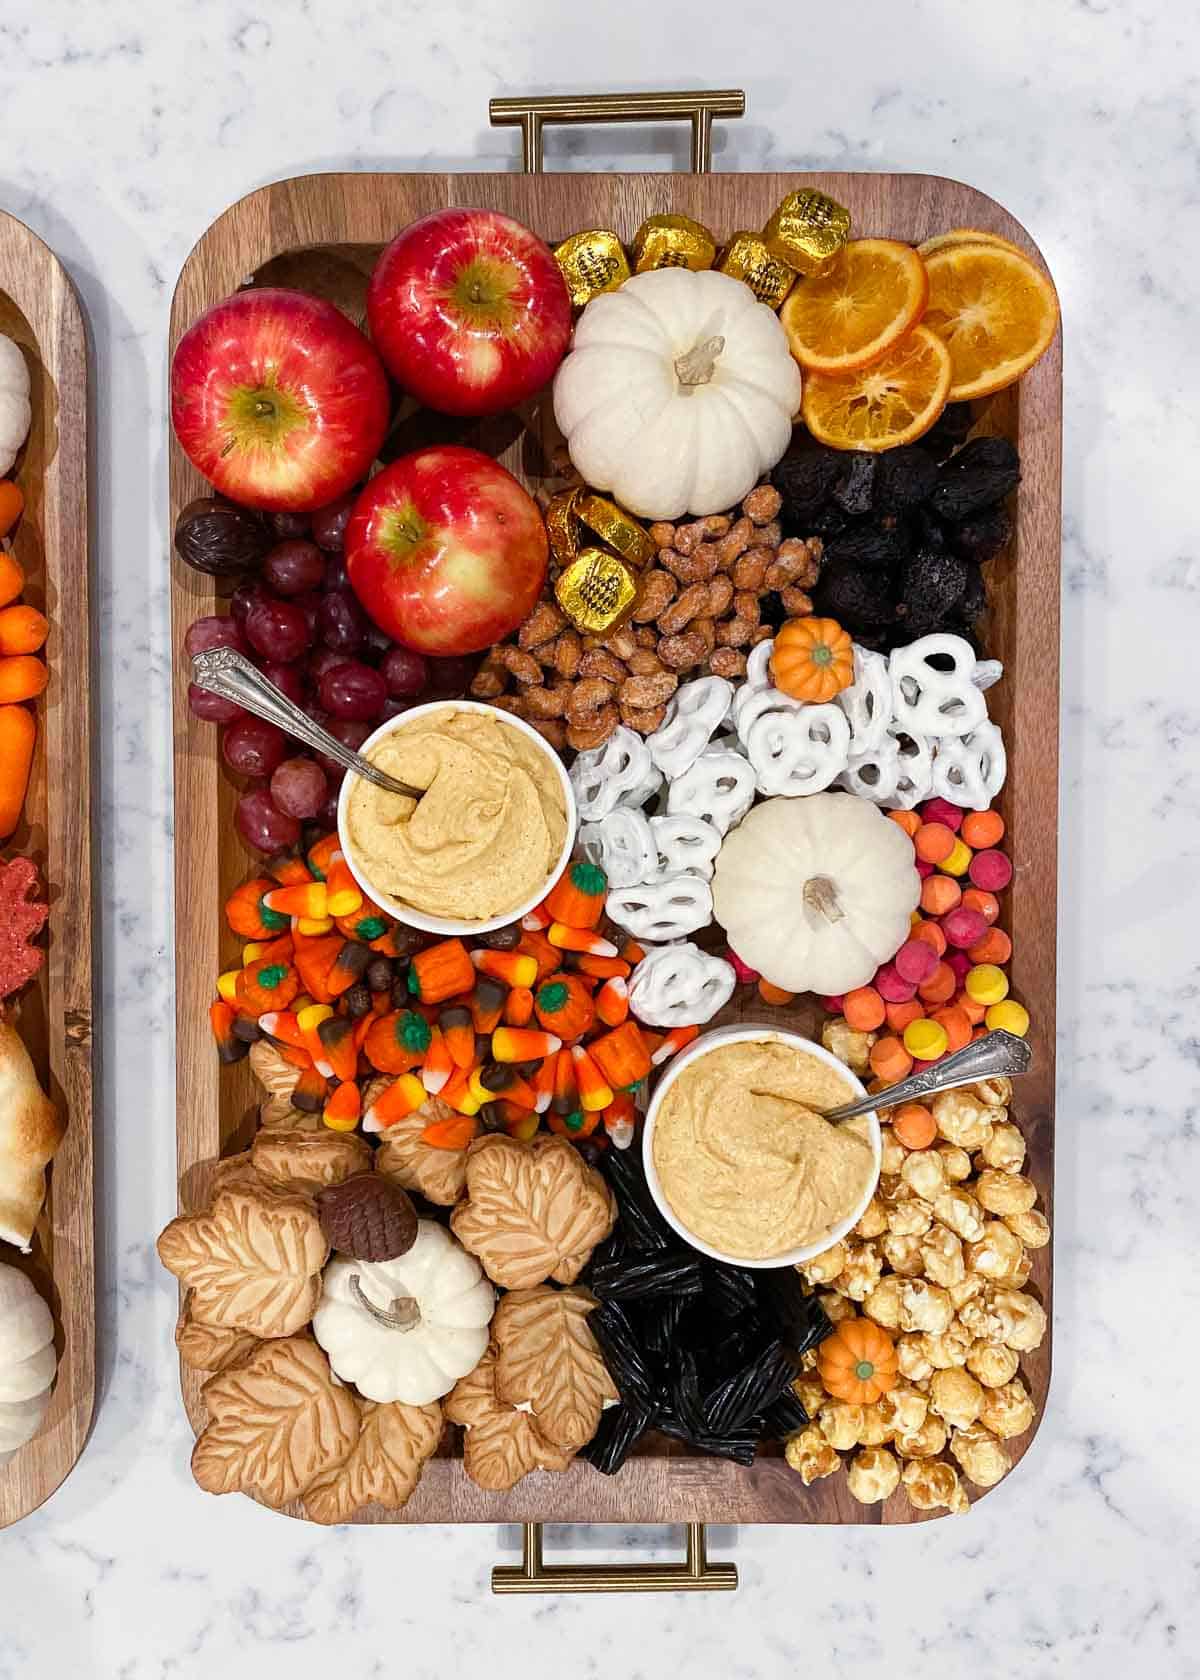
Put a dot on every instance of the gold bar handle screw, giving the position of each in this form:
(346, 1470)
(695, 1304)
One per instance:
(531, 114)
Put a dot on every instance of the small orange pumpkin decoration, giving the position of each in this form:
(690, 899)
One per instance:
(858, 1362)
(813, 659)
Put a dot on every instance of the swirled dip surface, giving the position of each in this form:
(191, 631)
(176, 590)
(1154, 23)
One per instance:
(488, 832)
(745, 1162)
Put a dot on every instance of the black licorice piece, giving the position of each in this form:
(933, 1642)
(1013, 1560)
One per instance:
(749, 1391)
(621, 1428)
(729, 1290)
(784, 1417)
(666, 1272)
(740, 1445)
(797, 1319)
(661, 1326)
(644, 1226)
(686, 1400)
(622, 1351)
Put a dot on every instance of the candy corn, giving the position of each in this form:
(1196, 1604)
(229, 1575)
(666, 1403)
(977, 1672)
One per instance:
(458, 1094)
(308, 899)
(348, 968)
(459, 1032)
(456, 1131)
(309, 1091)
(344, 895)
(522, 1044)
(342, 1107)
(566, 1088)
(579, 939)
(518, 1007)
(612, 1001)
(595, 1092)
(602, 968)
(313, 925)
(536, 919)
(401, 1098)
(620, 1117)
(321, 856)
(289, 869)
(514, 968)
(340, 1055)
(438, 1064)
(486, 1004)
(676, 1040)
(227, 985)
(230, 1048)
(543, 1083)
(308, 1020)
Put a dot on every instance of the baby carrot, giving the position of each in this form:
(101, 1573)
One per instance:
(12, 503)
(18, 731)
(22, 630)
(22, 677)
(12, 578)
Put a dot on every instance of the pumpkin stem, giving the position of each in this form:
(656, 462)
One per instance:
(404, 1313)
(697, 365)
(820, 895)
(864, 1370)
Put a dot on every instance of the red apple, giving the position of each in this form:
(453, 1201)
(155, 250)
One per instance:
(469, 310)
(446, 551)
(278, 399)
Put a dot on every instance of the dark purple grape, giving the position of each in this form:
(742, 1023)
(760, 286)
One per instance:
(324, 659)
(288, 525)
(278, 630)
(327, 815)
(329, 522)
(341, 621)
(253, 747)
(245, 596)
(336, 576)
(260, 825)
(220, 539)
(451, 677)
(294, 567)
(298, 787)
(310, 606)
(393, 706)
(376, 643)
(211, 707)
(405, 672)
(215, 631)
(351, 732)
(353, 690)
(288, 679)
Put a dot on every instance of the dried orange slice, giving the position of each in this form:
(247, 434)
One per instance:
(996, 311)
(895, 400)
(872, 295)
(965, 236)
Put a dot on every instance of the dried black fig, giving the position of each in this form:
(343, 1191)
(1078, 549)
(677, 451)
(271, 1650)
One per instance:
(983, 536)
(804, 478)
(869, 547)
(859, 600)
(982, 473)
(219, 538)
(855, 483)
(904, 478)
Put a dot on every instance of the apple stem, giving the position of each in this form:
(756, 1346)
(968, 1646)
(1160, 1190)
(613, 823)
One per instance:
(697, 365)
(263, 409)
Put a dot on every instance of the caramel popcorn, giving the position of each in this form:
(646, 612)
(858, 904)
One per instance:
(913, 1359)
(883, 1303)
(958, 1209)
(893, 1153)
(1004, 1192)
(1005, 1149)
(942, 1253)
(950, 1348)
(961, 1293)
(910, 1218)
(925, 1442)
(956, 1161)
(1032, 1227)
(853, 1048)
(995, 1366)
(810, 1454)
(903, 1254)
(955, 1396)
(810, 1391)
(824, 1267)
(925, 1306)
(1022, 1320)
(861, 1272)
(903, 1409)
(1007, 1407)
(925, 1173)
(841, 1424)
(980, 1317)
(877, 1428)
(934, 1487)
(997, 1253)
(873, 1475)
(835, 1307)
(874, 1221)
(962, 1118)
(984, 1459)
(993, 1093)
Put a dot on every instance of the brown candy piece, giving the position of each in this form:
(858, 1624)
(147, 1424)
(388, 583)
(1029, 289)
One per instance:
(367, 1217)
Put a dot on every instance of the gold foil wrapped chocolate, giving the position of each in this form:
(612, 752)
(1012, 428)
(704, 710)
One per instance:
(562, 525)
(807, 231)
(673, 242)
(615, 527)
(746, 257)
(597, 591)
(592, 263)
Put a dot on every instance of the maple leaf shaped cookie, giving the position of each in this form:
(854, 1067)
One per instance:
(385, 1466)
(298, 1159)
(533, 1210)
(440, 1175)
(548, 1359)
(253, 1262)
(501, 1444)
(208, 1347)
(22, 918)
(276, 1423)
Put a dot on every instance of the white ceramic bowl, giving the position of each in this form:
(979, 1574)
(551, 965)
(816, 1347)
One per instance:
(445, 925)
(743, 1035)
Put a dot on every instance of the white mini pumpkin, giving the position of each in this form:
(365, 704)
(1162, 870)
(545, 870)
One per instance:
(27, 1360)
(15, 410)
(406, 1329)
(816, 892)
(678, 393)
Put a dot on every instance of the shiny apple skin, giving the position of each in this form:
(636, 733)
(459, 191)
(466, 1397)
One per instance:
(328, 377)
(461, 359)
(446, 551)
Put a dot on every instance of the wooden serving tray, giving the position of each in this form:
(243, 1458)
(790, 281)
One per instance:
(39, 309)
(322, 233)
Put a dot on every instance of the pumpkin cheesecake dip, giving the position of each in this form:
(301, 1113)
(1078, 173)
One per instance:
(744, 1158)
(488, 833)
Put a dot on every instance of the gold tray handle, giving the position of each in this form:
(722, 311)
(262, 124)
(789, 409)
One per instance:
(531, 113)
(694, 1574)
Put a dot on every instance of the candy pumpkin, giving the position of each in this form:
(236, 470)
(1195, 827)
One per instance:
(858, 1362)
(812, 660)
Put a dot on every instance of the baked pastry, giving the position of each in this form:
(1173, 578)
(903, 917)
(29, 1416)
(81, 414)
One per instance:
(209, 1347)
(31, 1130)
(533, 1210)
(384, 1465)
(548, 1360)
(502, 1443)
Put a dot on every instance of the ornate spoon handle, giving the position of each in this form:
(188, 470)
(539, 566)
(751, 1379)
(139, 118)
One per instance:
(225, 672)
(996, 1054)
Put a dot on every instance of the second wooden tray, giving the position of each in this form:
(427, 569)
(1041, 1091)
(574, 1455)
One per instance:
(322, 233)
(39, 310)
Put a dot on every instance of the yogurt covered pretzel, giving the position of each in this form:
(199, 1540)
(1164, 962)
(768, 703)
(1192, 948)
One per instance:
(662, 910)
(718, 788)
(621, 772)
(969, 770)
(930, 702)
(680, 986)
(798, 752)
(694, 713)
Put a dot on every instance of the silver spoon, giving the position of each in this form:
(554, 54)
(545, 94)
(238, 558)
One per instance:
(228, 673)
(997, 1054)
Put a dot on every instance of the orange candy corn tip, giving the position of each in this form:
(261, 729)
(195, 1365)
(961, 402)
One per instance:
(342, 1107)
(676, 1040)
(580, 939)
(513, 967)
(402, 1098)
(308, 899)
(523, 1044)
(439, 1063)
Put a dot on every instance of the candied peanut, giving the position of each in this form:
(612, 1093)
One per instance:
(644, 693)
(646, 636)
(621, 643)
(735, 542)
(568, 651)
(705, 628)
(691, 604)
(750, 569)
(592, 731)
(550, 729)
(688, 538)
(523, 666)
(588, 696)
(762, 633)
(542, 625)
(545, 702)
(489, 681)
(644, 662)
(762, 503)
(745, 605)
(662, 533)
(680, 653)
(727, 662)
(691, 568)
(658, 591)
(796, 603)
(514, 703)
(770, 535)
(736, 632)
(720, 596)
(644, 720)
(596, 662)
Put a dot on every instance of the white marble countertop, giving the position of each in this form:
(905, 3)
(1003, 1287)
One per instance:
(123, 138)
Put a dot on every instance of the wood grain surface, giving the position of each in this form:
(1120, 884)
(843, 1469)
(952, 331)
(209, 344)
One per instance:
(322, 233)
(39, 309)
